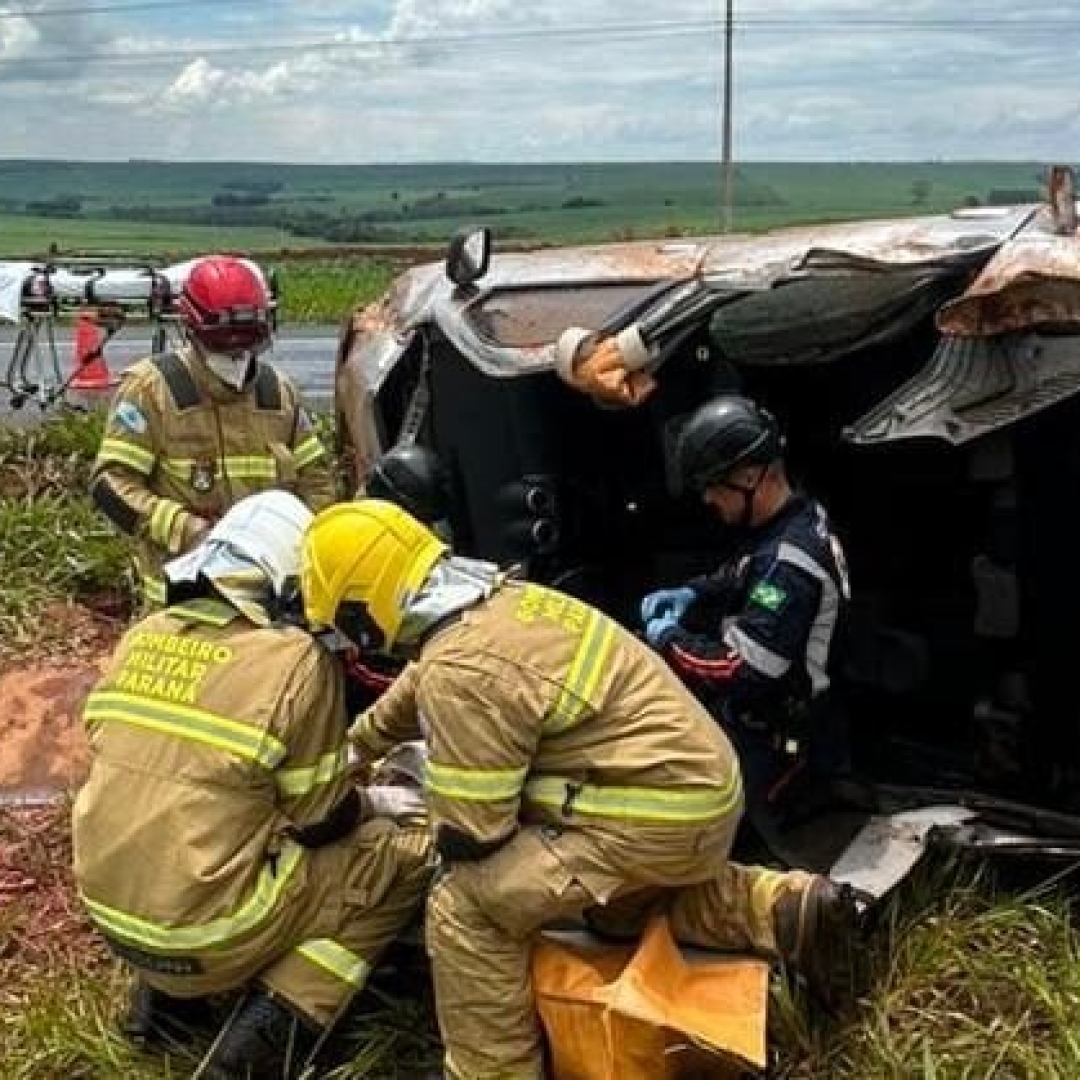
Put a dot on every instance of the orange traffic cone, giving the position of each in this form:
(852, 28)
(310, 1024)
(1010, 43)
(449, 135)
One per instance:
(91, 370)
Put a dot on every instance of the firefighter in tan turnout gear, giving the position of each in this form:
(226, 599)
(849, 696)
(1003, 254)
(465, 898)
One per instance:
(219, 841)
(194, 431)
(569, 772)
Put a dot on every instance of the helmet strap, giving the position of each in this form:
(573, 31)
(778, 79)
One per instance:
(355, 622)
(747, 492)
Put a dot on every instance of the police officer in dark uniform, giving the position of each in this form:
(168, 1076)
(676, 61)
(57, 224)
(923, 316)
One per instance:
(413, 477)
(758, 637)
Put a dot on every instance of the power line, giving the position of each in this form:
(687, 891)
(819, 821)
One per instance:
(602, 34)
(109, 9)
(763, 18)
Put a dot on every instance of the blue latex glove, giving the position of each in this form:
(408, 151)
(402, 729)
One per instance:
(656, 630)
(663, 602)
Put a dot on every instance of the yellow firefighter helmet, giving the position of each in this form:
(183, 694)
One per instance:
(370, 553)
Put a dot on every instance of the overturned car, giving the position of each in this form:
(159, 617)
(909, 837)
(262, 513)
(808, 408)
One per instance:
(926, 371)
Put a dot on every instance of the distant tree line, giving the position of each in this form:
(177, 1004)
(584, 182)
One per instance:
(57, 206)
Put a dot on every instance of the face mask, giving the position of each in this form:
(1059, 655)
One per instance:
(233, 371)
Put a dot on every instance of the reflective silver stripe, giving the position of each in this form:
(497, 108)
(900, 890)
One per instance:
(269, 888)
(819, 641)
(772, 665)
(336, 959)
(474, 785)
(303, 779)
(671, 805)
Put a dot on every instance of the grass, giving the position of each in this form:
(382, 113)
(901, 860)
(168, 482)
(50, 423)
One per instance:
(968, 982)
(54, 545)
(326, 291)
(32, 236)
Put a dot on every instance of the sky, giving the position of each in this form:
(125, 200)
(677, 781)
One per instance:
(510, 80)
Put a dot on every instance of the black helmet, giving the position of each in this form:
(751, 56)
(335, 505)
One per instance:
(415, 479)
(724, 433)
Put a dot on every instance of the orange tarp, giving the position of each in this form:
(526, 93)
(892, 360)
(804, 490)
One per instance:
(650, 1013)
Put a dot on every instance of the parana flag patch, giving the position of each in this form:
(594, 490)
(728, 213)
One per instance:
(768, 596)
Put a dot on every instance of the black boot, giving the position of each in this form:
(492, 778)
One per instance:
(157, 1019)
(266, 1040)
(818, 934)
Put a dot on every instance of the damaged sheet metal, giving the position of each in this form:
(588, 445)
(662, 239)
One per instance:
(852, 252)
(1001, 283)
(972, 386)
(887, 848)
(1031, 282)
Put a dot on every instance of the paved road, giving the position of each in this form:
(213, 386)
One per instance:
(305, 352)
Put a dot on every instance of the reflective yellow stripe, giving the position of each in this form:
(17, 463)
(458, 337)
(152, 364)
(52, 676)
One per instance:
(309, 451)
(154, 590)
(236, 468)
(474, 785)
(635, 803)
(206, 611)
(303, 779)
(186, 722)
(583, 677)
(271, 884)
(339, 961)
(134, 457)
(162, 519)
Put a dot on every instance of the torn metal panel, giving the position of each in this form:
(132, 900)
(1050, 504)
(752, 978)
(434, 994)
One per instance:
(979, 837)
(762, 261)
(972, 386)
(1030, 282)
(888, 847)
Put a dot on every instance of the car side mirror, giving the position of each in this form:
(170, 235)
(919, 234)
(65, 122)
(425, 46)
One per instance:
(468, 256)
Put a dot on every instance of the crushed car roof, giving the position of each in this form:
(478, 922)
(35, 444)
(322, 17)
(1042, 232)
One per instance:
(1002, 276)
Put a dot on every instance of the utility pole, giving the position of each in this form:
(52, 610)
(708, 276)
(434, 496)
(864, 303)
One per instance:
(727, 174)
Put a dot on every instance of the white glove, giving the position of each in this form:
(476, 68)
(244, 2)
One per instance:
(395, 801)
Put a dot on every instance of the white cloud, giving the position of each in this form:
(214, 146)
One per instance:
(835, 79)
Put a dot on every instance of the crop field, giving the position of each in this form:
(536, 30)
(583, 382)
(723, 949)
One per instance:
(182, 207)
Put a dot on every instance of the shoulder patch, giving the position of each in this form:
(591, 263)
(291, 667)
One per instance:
(129, 415)
(769, 596)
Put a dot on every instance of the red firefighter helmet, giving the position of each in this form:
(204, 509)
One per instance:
(225, 306)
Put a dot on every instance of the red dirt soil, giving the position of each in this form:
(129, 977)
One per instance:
(42, 746)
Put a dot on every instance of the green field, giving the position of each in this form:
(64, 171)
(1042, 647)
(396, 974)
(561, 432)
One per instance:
(184, 207)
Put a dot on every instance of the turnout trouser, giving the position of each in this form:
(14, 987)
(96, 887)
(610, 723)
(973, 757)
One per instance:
(347, 902)
(482, 919)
